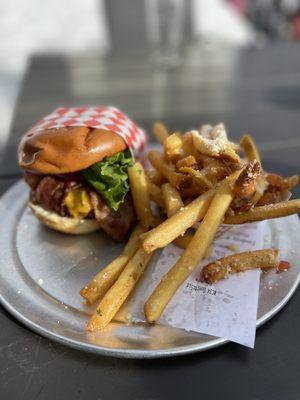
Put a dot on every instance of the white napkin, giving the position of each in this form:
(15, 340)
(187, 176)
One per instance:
(226, 309)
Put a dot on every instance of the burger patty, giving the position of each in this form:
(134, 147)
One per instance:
(50, 192)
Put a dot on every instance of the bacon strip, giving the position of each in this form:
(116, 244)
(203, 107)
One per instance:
(50, 191)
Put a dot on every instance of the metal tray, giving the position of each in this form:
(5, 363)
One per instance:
(41, 272)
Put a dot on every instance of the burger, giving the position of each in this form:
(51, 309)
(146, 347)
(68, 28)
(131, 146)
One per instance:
(78, 177)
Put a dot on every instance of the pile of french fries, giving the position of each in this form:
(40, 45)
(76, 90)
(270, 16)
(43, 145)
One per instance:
(199, 176)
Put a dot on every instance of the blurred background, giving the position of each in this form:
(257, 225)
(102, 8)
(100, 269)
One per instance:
(156, 59)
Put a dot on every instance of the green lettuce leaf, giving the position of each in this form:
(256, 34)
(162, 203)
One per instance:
(109, 177)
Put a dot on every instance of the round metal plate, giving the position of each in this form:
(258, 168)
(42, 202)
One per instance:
(42, 271)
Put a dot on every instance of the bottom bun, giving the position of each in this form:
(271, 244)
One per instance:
(73, 226)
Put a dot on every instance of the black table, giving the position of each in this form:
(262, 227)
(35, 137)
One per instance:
(254, 90)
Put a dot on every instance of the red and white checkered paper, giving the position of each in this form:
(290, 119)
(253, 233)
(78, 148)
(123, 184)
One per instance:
(105, 118)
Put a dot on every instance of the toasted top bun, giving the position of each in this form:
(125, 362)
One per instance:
(73, 226)
(64, 150)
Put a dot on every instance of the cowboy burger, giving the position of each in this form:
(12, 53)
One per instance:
(77, 174)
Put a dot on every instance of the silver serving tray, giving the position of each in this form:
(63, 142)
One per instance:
(41, 272)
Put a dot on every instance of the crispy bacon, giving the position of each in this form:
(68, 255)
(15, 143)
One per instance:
(72, 177)
(51, 190)
(50, 193)
(271, 196)
(32, 179)
(245, 187)
(115, 223)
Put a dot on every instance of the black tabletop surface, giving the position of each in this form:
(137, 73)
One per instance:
(254, 90)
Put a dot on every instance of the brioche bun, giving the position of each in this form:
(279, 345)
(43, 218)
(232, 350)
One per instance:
(64, 150)
(74, 226)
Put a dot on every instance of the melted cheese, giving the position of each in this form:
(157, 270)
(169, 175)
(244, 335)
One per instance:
(78, 203)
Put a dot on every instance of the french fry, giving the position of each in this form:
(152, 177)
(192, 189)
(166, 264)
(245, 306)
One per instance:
(213, 142)
(214, 171)
(178, 133)
(260, 185)
(176, 225)
(235, 146)
(275, 180)
(199, 180)
(273, 196)
(124, 313)
(140, 194)
(245, 184)
(269, 211)
(251, 153)
(204, 160)
(173, 148)
(188, 161)
(233, 264)
(166, 169)
(191, 192)
(194, 252)
(172, 199)
(99, 285)
(257, 196)
(188, 200)
(224, 152)
(291, 182)
(160, 131)
(155, 177)
(183, 241)
(250, 149)
(246, 193)
(156, 194)
(188, 145)
(280, 182)
(118, 293)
